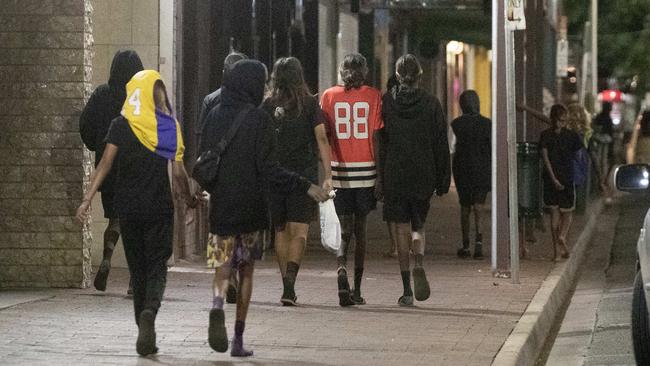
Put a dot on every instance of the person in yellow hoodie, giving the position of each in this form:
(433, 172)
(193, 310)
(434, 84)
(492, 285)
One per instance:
(147, 143)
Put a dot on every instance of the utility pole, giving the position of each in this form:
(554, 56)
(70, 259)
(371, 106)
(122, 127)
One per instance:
(500, 228)
(508, 16)
(594, 53)
(515, 20)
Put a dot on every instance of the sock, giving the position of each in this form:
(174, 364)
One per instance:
(217, 302)
(239, 328)
(358, 275)
(341, 261)
(110, 238)
(418, 260)
(479, 238)
(406, 282)
(292, 272)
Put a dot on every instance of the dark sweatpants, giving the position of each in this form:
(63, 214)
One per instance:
(148, 246)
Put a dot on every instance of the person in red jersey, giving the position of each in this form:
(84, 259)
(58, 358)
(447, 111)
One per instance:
(353, 112)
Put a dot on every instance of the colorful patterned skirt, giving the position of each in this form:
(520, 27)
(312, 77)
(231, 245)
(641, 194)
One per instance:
(235, 250)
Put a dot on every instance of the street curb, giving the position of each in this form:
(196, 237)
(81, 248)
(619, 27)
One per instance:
(525, 343)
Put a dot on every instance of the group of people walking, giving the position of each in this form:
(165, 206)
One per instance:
(271, 139)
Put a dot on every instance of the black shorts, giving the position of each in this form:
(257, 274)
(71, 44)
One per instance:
(292, 207)
(403, 210)
(471, 196)
(108, 203)
(355, 201)
(564, 199)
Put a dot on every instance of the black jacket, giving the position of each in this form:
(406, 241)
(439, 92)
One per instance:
(104, 105)
(416, 152)
(209, 102)
(238, 201)
(472, 161)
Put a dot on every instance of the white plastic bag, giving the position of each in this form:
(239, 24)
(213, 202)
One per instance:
(330, 227)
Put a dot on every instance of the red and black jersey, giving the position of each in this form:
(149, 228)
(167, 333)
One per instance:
(353, 117)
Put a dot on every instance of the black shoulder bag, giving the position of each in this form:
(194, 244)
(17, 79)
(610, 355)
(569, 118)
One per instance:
(207, 165)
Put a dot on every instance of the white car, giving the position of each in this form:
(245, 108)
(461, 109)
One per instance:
(636, 178)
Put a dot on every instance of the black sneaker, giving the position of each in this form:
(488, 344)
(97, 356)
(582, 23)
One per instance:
(420, 284)
(463, 253)
(146, 343)
(217, 336)
(102, 275)
(231, 294)
(344, 288)
(356, 298)
(478, 250)
(289, 297)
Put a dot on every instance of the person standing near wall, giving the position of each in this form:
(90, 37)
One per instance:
(416, 167)
(559, 145)
(300, 129)
(104, 105)
(353, 113)
(238, 209)
(147, 143)
(472, 165)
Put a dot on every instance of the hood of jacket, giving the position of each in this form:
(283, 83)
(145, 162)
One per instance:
(126, 63)
(469, 102)
(409, 102)
(244, 83)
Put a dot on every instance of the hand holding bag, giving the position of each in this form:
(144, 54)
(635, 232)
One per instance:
(207, 165)
(330, 227)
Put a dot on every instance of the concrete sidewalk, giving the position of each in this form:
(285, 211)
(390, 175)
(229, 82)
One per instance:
(465, 322)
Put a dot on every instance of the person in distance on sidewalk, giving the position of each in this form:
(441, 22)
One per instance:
(472, 166)
(559, 146)
(416, 166)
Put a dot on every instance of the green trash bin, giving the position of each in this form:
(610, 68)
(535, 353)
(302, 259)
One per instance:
(529, 180)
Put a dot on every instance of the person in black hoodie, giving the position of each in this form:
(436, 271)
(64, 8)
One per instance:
(210, 102)
(416, 166)
(472, 165)
(104, 105)
(238, 199)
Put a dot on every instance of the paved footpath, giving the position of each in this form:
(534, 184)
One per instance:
(596, 327)
(465, 322)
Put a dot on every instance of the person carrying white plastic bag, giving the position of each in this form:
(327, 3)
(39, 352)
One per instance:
(330, 226)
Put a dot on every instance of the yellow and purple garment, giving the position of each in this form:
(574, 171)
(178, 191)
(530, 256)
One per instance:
(157, 131)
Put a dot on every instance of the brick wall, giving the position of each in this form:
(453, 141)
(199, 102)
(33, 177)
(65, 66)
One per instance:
(45, 74)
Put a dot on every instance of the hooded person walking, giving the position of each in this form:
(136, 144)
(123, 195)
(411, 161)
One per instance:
(147, 143)
(472, 166)
(416, 166)
(104, 105)
(238, 199)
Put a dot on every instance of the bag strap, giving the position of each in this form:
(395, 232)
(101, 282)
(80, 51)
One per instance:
(230, 134)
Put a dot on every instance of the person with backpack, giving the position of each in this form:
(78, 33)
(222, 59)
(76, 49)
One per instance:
(302, 139)
(209, 103)
(146, 143)
(472, 165)
(559, 146)
(247, 171)
(416, 166)
(104, 105)
(353, 112)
